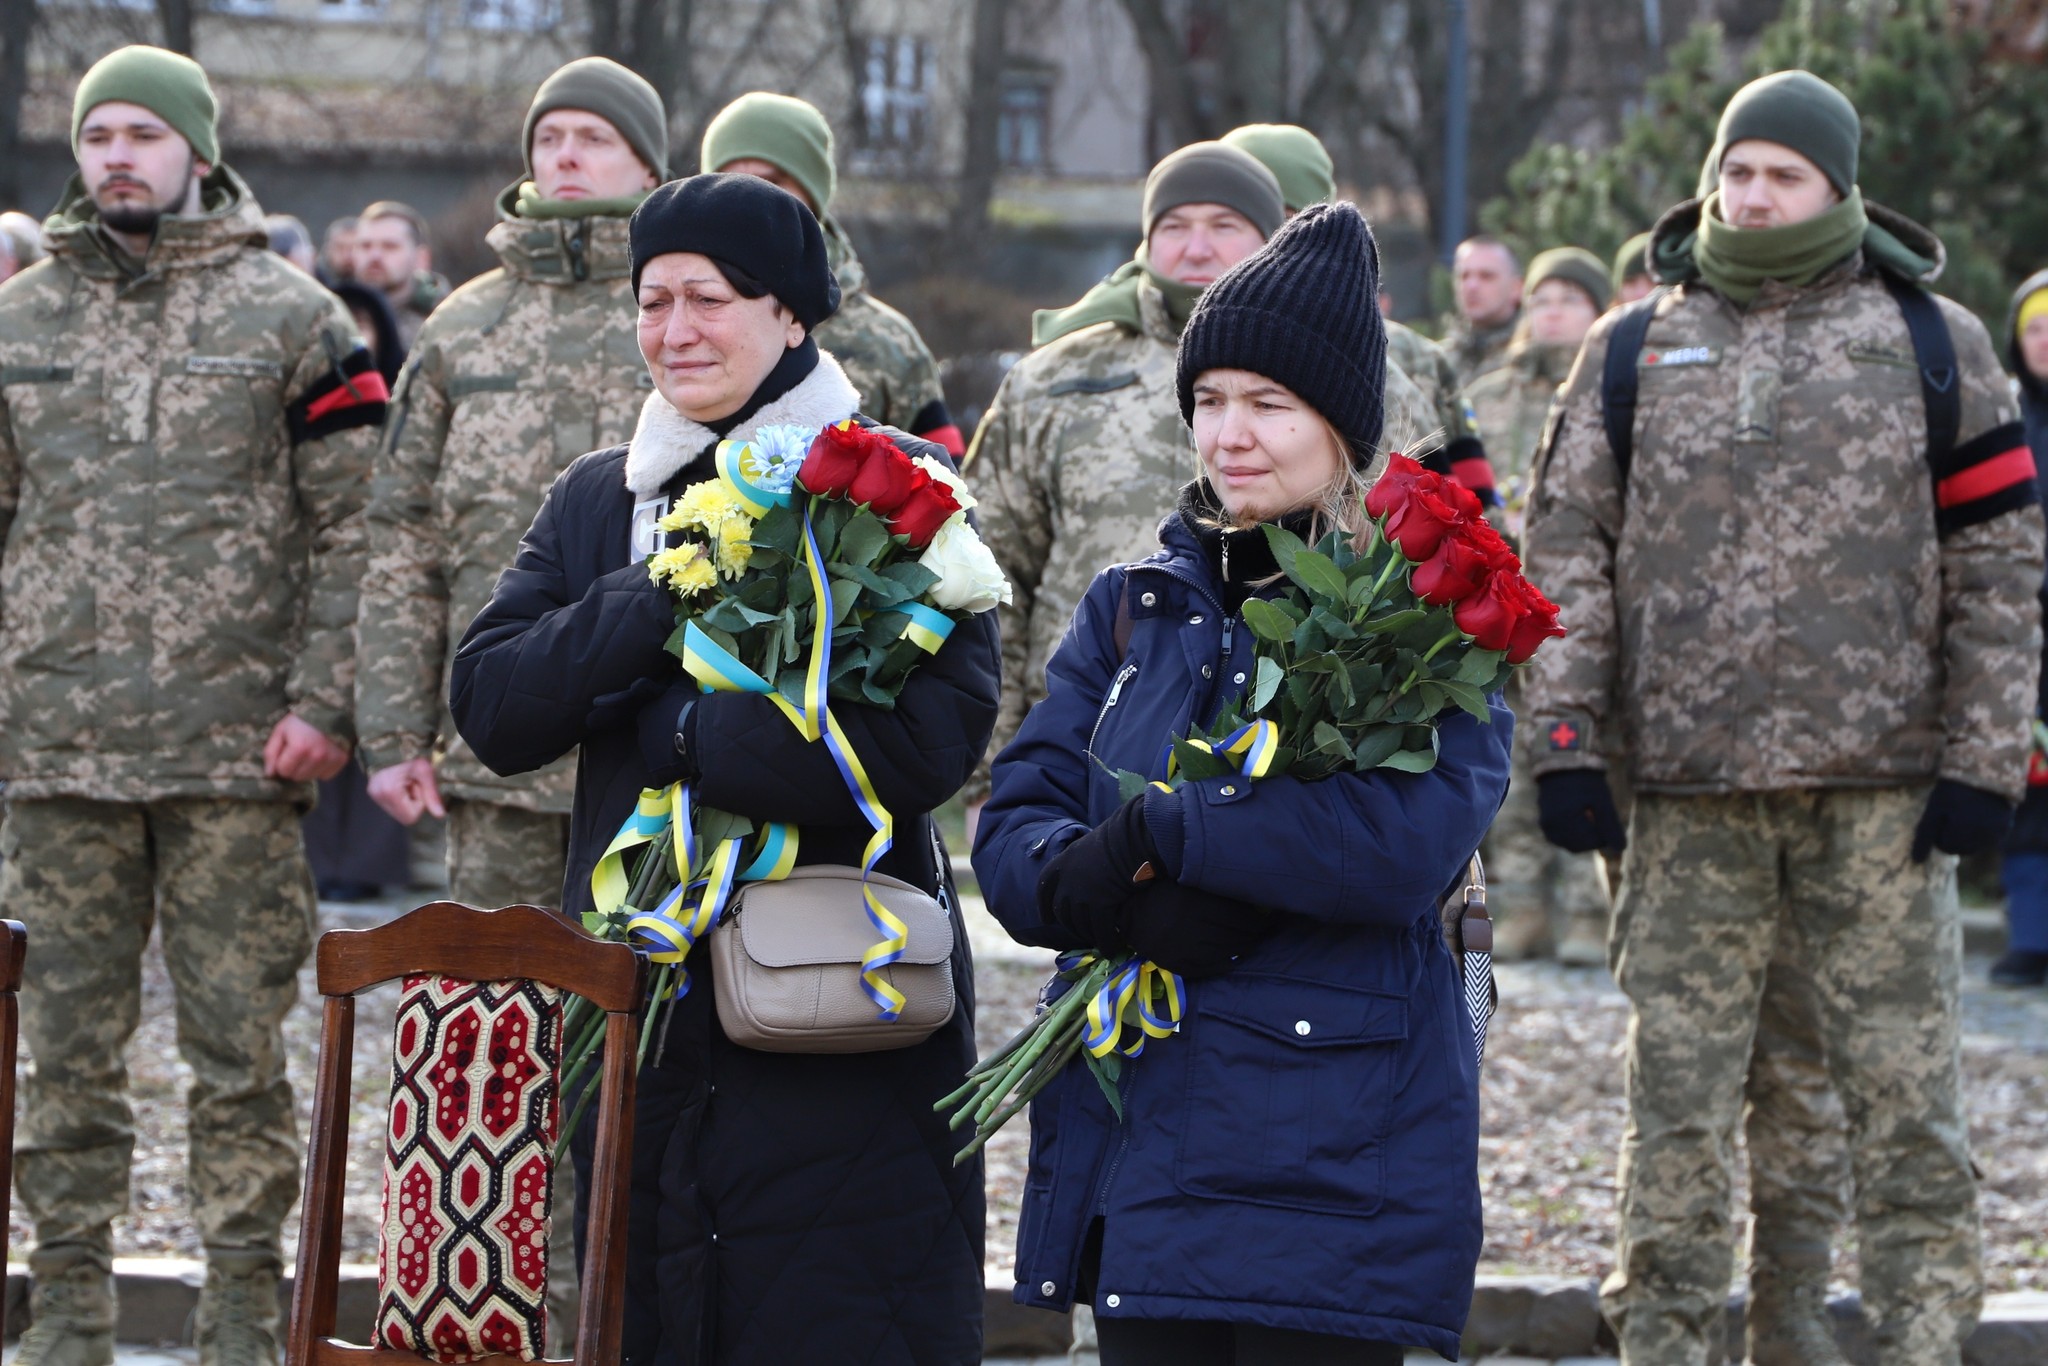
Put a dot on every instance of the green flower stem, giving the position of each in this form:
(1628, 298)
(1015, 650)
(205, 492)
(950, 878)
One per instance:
(1049, 1065)
(1395, 560)
(1447, 640)
(1049, 1029)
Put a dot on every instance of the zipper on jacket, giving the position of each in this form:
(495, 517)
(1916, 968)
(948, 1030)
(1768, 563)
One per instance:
(1116, 689)
(1123, 1145)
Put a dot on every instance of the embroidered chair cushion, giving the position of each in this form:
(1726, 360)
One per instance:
(462, 1263)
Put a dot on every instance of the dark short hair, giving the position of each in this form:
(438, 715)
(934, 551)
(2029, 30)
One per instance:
(392, 208)
(1487, 239)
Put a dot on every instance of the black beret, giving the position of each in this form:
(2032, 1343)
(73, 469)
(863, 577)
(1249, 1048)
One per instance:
(743, 222)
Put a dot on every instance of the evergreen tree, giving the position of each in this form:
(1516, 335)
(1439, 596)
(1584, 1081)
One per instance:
(1953, 138)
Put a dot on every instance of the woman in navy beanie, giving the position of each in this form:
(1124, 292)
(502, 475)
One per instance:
(1294, 1178)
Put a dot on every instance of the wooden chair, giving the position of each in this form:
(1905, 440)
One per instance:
(13, 953)
(445, 939)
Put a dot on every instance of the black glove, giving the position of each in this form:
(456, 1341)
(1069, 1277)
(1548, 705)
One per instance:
(1961, 819)
(1189, 931)
(665, 739)
(1577, 811)
(1084, 888)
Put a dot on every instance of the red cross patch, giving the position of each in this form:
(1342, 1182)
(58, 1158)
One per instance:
(1564, 736)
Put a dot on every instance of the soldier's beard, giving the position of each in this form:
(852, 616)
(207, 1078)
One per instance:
(138, 218)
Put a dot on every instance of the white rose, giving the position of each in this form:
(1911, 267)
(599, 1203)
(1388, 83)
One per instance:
(937, 470)
(970, 580)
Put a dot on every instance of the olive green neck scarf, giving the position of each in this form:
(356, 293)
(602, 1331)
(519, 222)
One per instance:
(1736, 261)
(529, 204)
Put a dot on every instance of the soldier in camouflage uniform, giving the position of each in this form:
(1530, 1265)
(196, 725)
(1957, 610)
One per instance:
(1084, 450)
(186, 430)
(1488, 280)
(392, 255)
(1820, 655)
(1544, 899)
(521, 370)
(787, 142)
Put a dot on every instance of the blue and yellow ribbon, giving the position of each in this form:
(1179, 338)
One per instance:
(731, 460)
(1158, 996)
(1249, 748)
(895, 934)
(928, 626)
(717, 669)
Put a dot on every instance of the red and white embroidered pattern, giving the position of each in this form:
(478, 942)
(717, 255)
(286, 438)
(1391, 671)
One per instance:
(462, 1266)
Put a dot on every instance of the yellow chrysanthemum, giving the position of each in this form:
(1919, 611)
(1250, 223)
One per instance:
(704, 505)
(734, 552)
(694, 578)
(671, 565)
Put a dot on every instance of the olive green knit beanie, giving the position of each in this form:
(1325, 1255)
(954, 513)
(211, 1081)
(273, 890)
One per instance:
(1573, 265)
(1295, 156)
(1630, 261)
(1213, 173)
(780, 130)
(1796, 109)
(622, 98)
(167, 84)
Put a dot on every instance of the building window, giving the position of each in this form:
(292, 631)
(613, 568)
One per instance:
(351, 9)
(895, 95)
(1023, 129)
(256, 7)
(520, 16)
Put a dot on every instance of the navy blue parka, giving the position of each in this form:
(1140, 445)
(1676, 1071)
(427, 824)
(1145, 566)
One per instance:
(1304, 1153)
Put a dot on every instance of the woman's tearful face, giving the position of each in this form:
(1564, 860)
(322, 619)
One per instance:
(1265, 451)
(707, 346)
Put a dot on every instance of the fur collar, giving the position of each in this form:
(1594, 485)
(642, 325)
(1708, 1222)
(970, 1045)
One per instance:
(665, 440)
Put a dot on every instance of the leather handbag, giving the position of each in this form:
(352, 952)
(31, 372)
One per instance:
(785, 964)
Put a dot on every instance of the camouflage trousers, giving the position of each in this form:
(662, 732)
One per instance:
(1528, 877)
(228, 881)
(506, 856)
(1711, 888)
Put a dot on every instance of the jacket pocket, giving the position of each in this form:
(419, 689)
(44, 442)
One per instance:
(1290, 1091)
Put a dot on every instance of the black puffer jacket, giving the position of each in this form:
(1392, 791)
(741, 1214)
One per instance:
(785, 1208)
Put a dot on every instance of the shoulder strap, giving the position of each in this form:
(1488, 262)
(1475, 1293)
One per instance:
(1935, 351)
(1618, 378)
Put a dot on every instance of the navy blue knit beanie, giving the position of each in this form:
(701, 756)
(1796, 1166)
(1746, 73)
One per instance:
(1304, 310)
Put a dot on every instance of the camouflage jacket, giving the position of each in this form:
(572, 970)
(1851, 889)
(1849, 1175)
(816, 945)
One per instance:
(1429, 366)
(1080, 456)
(519, 372)
(1782, 595)
(1474, 351)
(882, 353)
(422, 297)
(184, 452)
(1509, 407)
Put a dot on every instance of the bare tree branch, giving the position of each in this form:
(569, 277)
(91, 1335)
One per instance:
(1174, 97)
(177, 21)
(978, 166)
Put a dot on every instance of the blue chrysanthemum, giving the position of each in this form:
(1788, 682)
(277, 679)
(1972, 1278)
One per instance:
(776, 453)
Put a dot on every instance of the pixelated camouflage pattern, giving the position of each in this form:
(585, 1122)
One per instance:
(1526, 875)
(178, 572)
(424, 293)
(1474, 351)
(1772, 608)
(1796, 1133)
(228, 881)
(1509, 405)
(879, 348)
(521, 370)
(1080, 455)
(1430, 368)
(500, 855)
(1709, 884)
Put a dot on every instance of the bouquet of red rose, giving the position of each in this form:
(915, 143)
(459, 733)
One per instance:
(819, 568)
(1360, 655)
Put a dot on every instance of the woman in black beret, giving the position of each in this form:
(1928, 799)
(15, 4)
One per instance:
(785, 1207)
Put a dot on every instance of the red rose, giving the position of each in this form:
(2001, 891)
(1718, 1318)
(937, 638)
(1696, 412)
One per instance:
(833, 461)
(887, 478)
(1535, 628)
(1454, 573)
(1490, 615)
(1499, 555)
(1419, 522)
(1393, 486)
(928, 508)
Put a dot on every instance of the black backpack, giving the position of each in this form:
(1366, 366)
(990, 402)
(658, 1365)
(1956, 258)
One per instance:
(1933, 348)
